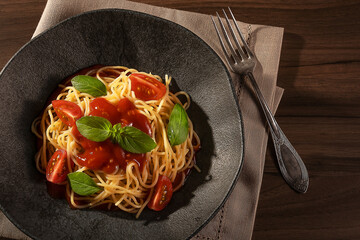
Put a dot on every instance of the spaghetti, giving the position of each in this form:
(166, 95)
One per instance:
(131, 187)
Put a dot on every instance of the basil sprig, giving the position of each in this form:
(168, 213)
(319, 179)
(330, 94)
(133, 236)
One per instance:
(90, 85)
(131, 139)
(82, 184)
(178, 127)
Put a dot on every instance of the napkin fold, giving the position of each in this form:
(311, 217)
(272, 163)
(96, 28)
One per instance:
(235, 220)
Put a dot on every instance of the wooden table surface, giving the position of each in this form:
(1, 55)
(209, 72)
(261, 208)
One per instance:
(319, 112)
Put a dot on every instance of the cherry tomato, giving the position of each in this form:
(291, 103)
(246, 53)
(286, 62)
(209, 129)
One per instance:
(125, 105)
(146, 87)
(57, 170)
(138, 121)
(138, 158)
(101, 107)
(130, 116)
(117, 160)
(111, 166)
(96, 157)
(119, 155)
(67, 111)
(162, 194)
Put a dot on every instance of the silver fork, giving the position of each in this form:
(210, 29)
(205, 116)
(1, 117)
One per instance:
(242, 61)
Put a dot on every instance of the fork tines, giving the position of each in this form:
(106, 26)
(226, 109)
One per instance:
(239, 52)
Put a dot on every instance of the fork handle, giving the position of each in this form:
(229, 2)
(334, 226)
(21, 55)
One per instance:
(291, 166)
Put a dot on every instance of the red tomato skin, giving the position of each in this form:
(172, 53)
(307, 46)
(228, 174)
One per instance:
(67, 111)
(125, 105)
(162, 194)
(101, 107)
(57, 170)
(96, 157)
(146, 88)
(135, 119)
(116, 161)
(130, 116)
(138, 158)
(119, 155)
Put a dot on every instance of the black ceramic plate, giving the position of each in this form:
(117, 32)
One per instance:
(144, 42)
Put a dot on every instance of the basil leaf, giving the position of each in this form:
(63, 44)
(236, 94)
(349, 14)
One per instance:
(178, 126)
(118, 129)
(96, 129)
(90, 85)
(133, 140)
(82, 184)
(115, 131)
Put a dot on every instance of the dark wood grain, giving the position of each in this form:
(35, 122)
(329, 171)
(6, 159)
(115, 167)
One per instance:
(325, 149)
(330, 209)
(18, 20)
(320, 110)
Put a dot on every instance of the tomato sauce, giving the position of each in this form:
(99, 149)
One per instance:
(107, 156)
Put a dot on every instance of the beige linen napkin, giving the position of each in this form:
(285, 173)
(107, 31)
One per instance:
(236, 219)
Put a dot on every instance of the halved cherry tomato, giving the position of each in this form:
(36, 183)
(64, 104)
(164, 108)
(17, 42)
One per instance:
(130, 116)
(67, 111)
(146, 87)
(162, 194)
(125, 105)
(119, 155)
(138, 158)
(97, 156)
(101, 107)
(57, 170)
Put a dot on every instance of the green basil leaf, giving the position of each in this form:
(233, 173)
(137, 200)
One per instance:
(96, 129)
(133, 140)
(178, 127)
(118, 128)
(115, 131)
(82, 184)
(90, 85)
